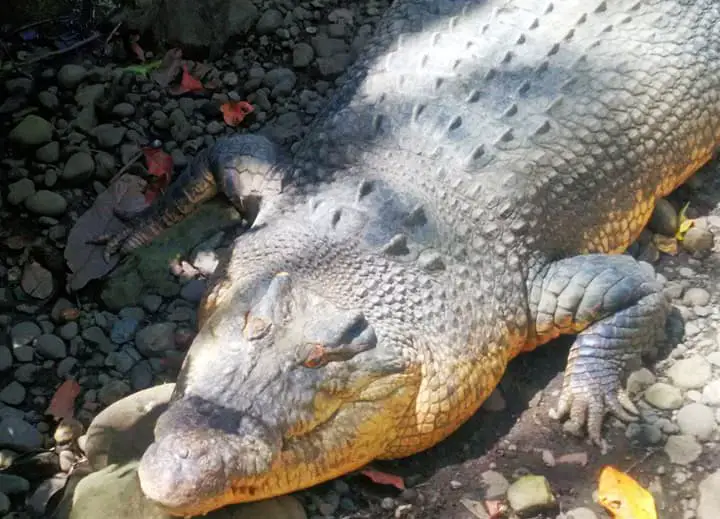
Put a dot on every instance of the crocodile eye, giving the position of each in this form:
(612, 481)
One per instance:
(316, 357)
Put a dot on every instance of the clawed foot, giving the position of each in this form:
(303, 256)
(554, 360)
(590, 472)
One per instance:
(114, 241)
(586, 398)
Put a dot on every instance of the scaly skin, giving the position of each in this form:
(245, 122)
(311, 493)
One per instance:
(460, 201)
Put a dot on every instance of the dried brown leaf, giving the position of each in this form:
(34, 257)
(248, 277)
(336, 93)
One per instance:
(86, 259)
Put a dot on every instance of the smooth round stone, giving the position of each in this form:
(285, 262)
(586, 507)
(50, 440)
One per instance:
(51, 346)
(46, 203)
(663, 396)
(682, 449)
(697, 420)
(691, 373)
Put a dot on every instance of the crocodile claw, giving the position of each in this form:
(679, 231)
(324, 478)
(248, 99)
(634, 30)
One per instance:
(586, 399)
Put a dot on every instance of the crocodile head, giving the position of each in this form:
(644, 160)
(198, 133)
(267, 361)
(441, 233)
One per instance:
(284, 387)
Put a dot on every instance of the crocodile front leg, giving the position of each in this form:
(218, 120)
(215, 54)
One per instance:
(618, 310)
(246, 168)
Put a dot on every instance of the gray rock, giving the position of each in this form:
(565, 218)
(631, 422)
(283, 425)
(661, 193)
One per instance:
(13, 393)
(68, 330)
(6, 359)
(11, 484)
(682, 449)
(79, 166)
(89, 95)
(123, 330)
(120, 360)
(66, 366)
(181, 127)
(17, 434)
(70, 76)
(124, 110)
(327, 47)
(193, 290)
(691, 373)
(531, 494)
(48, 100)
(190, 24)
(96, 336)
(643, 433)
(19, 191)
(51, 346)
(214, 127)
(113, 391)
(156, 339)
(663, 396)
(334, 65)
(37, 281)
(664, 219)
(698, 242)
(4, 503)
(50, 153)
(709, 497)
(281, 81)
(697, 420)
(46, 203)
(269, 22)
(141, 375)
(27, 373)
(303, 55)
(24, 333)
(711, 393)
(32, 131)
(696, 297)
(494, 484)
(105, 166)
(86, 120)
(109, 135)
(640, 380)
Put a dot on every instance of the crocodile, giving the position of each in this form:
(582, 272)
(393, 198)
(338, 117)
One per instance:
(466, 195)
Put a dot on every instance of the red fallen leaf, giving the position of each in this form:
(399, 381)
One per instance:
(62, 404)
(160, 166)
(383, 478)
(137, 49)
(187, 84)
(235, 111)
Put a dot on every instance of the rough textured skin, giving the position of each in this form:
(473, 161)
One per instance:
(458, 203)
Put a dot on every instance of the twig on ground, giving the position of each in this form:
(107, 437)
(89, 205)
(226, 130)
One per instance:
(112, 33)
(31, 25)
(123, 169)
(71, 48)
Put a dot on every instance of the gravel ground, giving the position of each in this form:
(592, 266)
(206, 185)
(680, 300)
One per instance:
(72, 125)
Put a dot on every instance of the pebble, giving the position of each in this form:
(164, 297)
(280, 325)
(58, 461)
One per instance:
(49, 153)
(78, 167)
(113, 391)
(151, 302)
(68, 330)
(123, 330)
(697, 420)
(4, 503)
(17, 434)
(698, 242)
(664, 219)
(65, 366)
(269, 22)
(95, 335)
(663, 396)
(644, 433)
(530, 494)
(696, 297)
(46, 203)
(37, 281)
(156, 339)
(70, 76)
(24, 333)
(108, 135)
(51, 346)
(640, 380)
(48, 100)
(303, 54)
(691, 373)
(32, 131)
(20, 190)
(711, 393)
(124, 110)
(193, 290)
(141, 375)
(682, 449)
(13, 394)
(495, 485)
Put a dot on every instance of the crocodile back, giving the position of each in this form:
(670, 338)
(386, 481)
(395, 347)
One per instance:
(551, 124)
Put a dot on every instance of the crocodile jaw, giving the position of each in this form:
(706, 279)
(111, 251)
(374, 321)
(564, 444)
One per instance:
(193, 472)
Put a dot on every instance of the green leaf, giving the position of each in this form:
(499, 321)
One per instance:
(143, 70)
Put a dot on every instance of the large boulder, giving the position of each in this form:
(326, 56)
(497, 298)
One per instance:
(192, 25)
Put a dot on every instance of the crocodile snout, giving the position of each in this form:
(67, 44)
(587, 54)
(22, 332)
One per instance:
(188, 469)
